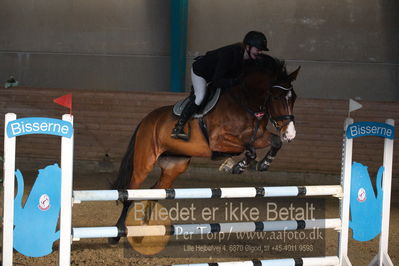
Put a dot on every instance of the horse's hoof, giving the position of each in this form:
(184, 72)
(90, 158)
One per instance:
(113, 240)
(227, 166)
(262, 166)
(240, 167)
(237, 171)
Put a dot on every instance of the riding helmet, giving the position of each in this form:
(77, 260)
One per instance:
(256, 39)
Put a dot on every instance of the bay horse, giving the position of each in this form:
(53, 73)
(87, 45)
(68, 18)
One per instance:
(237, 124)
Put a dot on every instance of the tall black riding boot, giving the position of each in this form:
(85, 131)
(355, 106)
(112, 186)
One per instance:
(188, 111)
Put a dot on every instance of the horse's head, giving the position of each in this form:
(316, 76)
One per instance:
(281, 104)
(267, 86)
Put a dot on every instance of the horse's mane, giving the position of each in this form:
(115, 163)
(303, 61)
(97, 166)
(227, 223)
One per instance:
(266, 63)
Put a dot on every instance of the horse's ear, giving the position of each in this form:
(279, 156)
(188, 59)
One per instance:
(294, 74)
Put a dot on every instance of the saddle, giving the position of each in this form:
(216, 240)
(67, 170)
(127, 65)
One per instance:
(207, 105)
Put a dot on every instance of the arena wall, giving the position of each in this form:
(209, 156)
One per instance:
(105, 120)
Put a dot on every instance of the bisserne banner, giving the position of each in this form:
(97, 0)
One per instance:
(39, 125)
(362, 129)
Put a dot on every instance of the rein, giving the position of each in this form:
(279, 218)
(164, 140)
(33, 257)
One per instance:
(258, 115)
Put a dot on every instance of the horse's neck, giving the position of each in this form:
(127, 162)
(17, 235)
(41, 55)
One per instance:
(248, 95)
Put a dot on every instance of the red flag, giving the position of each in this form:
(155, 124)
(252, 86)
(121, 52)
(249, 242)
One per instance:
(65, 101)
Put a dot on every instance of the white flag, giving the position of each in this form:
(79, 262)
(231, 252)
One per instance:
(354, 105)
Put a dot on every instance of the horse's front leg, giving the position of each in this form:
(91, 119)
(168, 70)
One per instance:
(265, 163)
(250, 156)
(233, 145)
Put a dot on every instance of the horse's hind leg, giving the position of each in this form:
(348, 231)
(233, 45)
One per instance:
(171, 167)
(265, 163)
(142, 167)
(121, 222)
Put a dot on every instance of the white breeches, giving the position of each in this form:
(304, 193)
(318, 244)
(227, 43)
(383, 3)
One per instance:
(199, 84)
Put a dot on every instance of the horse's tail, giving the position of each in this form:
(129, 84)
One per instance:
(126, 167)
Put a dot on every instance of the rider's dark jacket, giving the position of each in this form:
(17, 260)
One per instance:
(222, 66)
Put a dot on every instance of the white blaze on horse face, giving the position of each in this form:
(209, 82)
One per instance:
(290, 133)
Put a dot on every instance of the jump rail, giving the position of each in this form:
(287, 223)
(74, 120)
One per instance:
(206, 193)
(200, 229)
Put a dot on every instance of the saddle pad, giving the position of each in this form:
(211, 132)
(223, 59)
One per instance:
(179, 106)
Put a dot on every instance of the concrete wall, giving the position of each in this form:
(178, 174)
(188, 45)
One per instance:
(97, 44)
(346, 48)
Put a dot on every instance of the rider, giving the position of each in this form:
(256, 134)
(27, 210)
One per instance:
(221, 67)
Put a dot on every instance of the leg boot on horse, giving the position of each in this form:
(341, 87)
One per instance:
(241, 166)
(188, 111)
(265, 163)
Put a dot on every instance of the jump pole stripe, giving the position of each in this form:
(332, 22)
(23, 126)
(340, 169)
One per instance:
(205, 193)
(198, 229)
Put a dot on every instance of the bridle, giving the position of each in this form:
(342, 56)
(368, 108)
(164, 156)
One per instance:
(275, 119)
(259, 115)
